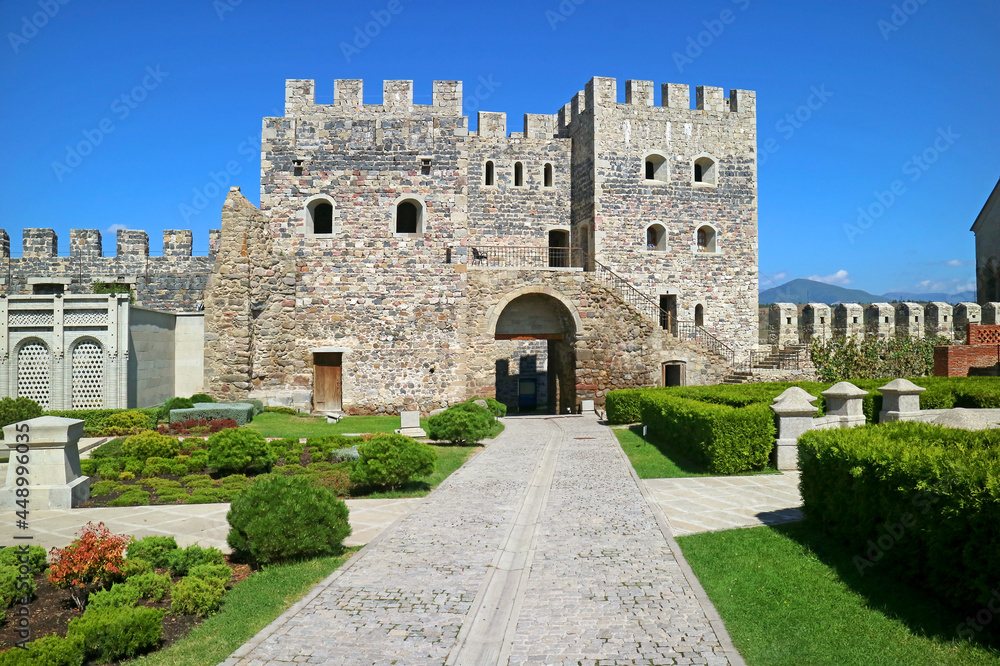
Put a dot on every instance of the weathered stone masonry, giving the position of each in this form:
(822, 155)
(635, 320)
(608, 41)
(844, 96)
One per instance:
(364, 249)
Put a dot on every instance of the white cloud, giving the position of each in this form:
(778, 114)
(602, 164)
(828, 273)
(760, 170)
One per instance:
(840, 277)
(959, 262)
(113, 229)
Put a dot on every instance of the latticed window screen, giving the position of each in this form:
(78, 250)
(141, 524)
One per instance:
(88, 376)
(34, 364)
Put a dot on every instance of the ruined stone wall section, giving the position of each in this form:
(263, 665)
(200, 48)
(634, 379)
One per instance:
(626, 203)
(175, 281)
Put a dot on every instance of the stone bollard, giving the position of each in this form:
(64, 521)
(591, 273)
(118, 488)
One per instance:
(844, 400)
(410, 424)
(52, 469)
(795, 415)
(900, 401)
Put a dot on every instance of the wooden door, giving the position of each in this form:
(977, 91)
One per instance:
(327, 383)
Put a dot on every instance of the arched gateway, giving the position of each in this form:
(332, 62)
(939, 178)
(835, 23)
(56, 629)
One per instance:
(537, 369)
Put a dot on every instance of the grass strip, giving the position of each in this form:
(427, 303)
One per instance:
(790, 595)
(655, 459)
(249, 607)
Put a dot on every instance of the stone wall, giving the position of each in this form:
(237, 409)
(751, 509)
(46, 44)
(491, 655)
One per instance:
(174, 281)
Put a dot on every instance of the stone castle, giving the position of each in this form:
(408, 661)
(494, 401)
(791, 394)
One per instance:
(399, 260)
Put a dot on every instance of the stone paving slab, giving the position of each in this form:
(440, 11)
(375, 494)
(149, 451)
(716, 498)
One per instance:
(542, 549)
(204, 524)
(708, 504)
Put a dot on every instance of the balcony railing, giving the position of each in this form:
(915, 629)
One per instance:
(513, 256)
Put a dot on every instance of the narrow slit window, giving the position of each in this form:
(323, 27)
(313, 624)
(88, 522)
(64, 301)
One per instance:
(488, 176)
(547, 175)
(518, 174)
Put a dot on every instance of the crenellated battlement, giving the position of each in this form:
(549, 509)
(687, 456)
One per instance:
(603, 92)
(348, 98)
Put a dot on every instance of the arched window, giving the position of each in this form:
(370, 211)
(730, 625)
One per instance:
(704, 170)
(34, 372)
(488, 174)
(656, 238)
(699, 315)
(518, 174)
(655, 167)
(706, 239)
(547, 175)
(409, 217)
(319, 216)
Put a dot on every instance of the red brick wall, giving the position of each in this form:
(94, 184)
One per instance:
(982, 334)
(955, 360)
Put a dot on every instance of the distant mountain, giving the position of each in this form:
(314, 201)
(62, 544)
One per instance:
(811, 291)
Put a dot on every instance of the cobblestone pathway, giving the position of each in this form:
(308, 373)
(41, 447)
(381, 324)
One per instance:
(541, 550)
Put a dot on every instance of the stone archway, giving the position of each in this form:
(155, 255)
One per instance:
(541, 327)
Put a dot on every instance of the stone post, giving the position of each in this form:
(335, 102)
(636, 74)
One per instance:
(795, 416)
(54, 480)
(900, 401)
(409, 422)
(844, 400)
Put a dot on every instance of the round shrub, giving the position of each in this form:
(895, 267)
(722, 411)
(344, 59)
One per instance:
(89, 467)
(181, 561)
(135, 566)
(286, 518)
(150, 444)
(218, 571)
(156, 466)
(497, 407)
(392, 460)
(35, 558)
(239, 450)
(120, 594)
(174, 403)
(133, 497)
(50, 650)
(153, 549)
(110, 470)
(10, 585)
(112, 634)
(130, 422)
(197, 596)
(134, 465)
(13, 410)
(201, 397)
(126, 476)
(152, 586)
(198, 461)
(460, 424)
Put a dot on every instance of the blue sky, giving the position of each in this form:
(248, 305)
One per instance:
(877, 121)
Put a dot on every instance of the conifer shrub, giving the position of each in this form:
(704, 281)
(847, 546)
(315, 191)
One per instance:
(392, 460)
(219, 571)
(181, 561)
(150, 444)
(16, 556)
(132, 497)
(135, 566)
(115, 633)
(173, 403)
(464, 423)
(200, 596)
(154, 549)
(129, 422)
(239, 451)
(201, 397)
(281, 518)
(13, 586)
(119, 594)
(152, 586)
(51, 650)
(14, 410)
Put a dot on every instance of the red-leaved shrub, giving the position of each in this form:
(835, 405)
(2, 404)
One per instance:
(94, 559)
(337, 481)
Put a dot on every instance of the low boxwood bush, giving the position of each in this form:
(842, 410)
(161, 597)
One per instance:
(135, 566)
(463, 423)
(392, 460)
(917, 500)
(150, 444)
(15, 556)
(241, 412)
(282, 518)
(155, 466)
(198, 461)
(13, 410)
(94, 420)
(726, 440)
(199, 596)
(153, 549)
(206, 496)
(112, 449)
(218, 571)
(134, 497)
(239, 450)
(101, 488)
(197, 481)
(152, 586)
(49, 650)
(13, 587)
(129, 422)
(111, 634)
(181, 561)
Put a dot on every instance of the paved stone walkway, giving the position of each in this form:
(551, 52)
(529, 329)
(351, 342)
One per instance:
(542, 549)
(708, 504)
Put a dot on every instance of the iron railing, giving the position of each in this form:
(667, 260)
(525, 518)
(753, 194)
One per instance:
(513, 256)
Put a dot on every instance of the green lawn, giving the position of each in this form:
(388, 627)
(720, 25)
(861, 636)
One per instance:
(249, 607)
(791, 596)
(653, 459)
(271, 424)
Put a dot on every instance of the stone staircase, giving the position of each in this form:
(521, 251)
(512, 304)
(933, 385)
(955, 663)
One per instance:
(790, 356)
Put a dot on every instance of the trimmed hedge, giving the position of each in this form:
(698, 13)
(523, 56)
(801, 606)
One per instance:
(241, 412)
(918, 500)
(93, 419)
(727, 440)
